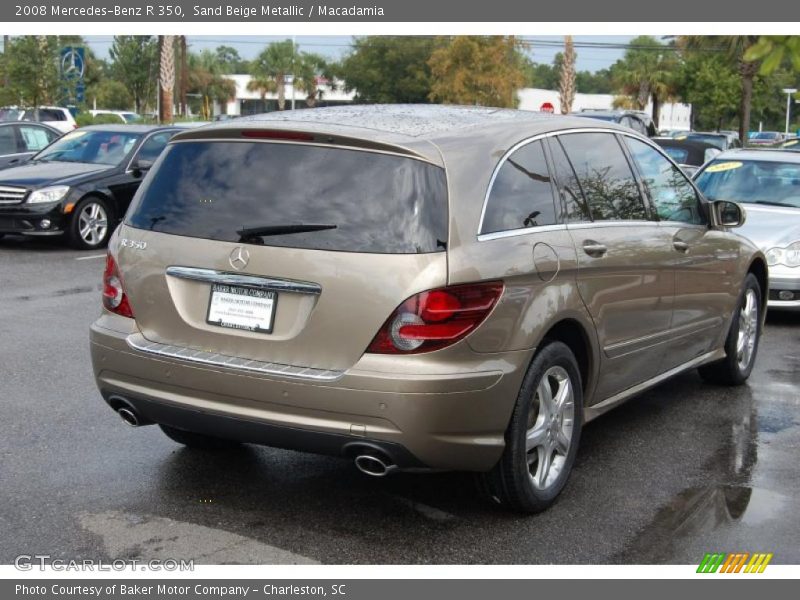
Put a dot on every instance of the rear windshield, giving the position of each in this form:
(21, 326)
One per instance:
(368, 202)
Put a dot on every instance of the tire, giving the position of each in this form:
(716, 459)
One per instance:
(741, 345)
(521, 480)
(191, 439)
(91, 224)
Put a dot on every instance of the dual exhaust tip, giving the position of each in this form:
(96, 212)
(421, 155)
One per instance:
(368, 460)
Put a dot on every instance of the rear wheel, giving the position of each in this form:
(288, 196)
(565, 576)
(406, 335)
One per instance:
(197, 440)
(741, 344)
(90, 226)
(543, 435)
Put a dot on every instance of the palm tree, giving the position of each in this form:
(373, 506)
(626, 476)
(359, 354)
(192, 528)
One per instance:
(166, 77)
(273, 65)
(310, 68)
(646, 71)
(736, 49)
(207, 79)
(566, 84)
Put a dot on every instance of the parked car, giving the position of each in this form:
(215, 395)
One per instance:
(767, 183)
(81, 185)
(723, 141)
(340, 280)
(791, 143)
(637, 120)
(55, 116)
(124, 116)
(20, 140)
(689, 154)
(765, 138)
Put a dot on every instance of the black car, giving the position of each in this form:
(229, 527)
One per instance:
(19, 140)
(689, 154)
(637, 120)
(80, 185)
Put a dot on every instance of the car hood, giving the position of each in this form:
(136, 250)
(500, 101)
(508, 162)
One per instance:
(771, 226)
(34, 175)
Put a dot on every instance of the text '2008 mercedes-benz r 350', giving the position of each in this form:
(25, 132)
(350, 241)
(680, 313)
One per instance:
(418, 287)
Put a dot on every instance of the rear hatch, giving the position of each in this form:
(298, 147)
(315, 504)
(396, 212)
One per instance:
(285, 252)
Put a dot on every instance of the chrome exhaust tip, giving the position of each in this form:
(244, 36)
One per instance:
(374, 466)
(129, 416)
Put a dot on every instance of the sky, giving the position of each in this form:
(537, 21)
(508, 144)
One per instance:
(543, 48)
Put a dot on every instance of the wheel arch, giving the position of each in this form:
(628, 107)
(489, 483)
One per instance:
(758, 267)
(578, 339)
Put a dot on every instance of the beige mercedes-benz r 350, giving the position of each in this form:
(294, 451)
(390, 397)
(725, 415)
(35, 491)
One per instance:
(418, 287)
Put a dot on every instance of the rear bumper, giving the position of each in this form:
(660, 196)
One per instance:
(444, 416)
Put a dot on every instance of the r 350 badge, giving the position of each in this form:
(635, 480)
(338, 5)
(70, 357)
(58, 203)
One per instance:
(135, 244)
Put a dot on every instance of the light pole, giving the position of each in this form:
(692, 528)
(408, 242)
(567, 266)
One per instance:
(788, 92)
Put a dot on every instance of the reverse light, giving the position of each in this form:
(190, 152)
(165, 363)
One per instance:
(114, 297)
(436, 319)
(48, 194)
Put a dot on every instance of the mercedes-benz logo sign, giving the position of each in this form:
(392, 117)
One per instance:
(239, 258)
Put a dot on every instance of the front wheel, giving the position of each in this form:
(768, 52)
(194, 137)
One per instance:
(741, 345)
(90, 226)
(543, 435)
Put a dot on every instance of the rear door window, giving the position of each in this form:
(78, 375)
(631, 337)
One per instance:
(568, 187)
(608, 184)
(522, 194)
(367, 201)
(35, 138)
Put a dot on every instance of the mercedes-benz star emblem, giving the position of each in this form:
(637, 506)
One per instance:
(239, 258)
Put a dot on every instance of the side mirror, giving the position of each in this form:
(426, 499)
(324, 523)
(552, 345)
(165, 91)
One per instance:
(729, 214)
(140, 165)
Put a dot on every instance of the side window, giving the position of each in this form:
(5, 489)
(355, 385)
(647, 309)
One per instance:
(35, 138)
(153, 146)
(568, 187)
(522, 195)
(606, 179)
(8, 143)
(673, 196)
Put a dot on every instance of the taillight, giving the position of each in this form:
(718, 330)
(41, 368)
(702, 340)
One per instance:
(114, 297)
(436, 319)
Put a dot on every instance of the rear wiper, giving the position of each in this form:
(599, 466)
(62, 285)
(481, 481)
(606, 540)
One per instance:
(257, 232)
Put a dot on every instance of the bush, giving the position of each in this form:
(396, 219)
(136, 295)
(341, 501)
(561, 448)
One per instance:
(86, 118)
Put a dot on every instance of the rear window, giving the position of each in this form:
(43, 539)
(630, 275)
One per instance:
(378, 203)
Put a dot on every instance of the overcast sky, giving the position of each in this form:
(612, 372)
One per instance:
(544, 48)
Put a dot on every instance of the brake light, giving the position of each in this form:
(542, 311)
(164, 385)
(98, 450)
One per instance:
(277, 134)
(114, 297)
(436, 319)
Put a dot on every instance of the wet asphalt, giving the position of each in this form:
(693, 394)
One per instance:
(684, 469)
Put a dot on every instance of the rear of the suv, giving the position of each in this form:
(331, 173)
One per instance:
(417, 287)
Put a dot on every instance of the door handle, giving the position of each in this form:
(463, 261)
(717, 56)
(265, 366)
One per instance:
(680, 245)
(593, 248)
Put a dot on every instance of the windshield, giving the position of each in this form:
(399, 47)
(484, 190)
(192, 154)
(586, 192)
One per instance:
(714, 140)
(752, 181)
(94, 147)
(765, 135)
(10, 114)
(296, 196)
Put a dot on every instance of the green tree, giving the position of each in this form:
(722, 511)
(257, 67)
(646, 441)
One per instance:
(110, 94)
(207, 78)
(476, 69)
(309, 69)
(271, 68)
(710, 84)
(646, 72)
(771, 50)
(736, 49)
(389, 69)
(134, 63)
(229, 61)
(33, 70)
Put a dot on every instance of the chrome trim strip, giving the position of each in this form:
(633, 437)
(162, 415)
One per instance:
(253, 281)
(485, 237)
(140, 343)
(594, 411)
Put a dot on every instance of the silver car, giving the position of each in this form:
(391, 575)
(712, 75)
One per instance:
(767, 183)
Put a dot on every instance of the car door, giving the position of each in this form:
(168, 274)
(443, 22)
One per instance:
(125, 183)
(622, 256)
(703, 259)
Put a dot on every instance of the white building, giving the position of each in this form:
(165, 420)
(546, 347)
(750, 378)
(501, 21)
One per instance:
(672, 115)
(249, 102)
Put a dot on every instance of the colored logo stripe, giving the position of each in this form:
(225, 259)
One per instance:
(734, 562)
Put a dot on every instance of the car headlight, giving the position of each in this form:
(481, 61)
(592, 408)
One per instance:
(789, 256)
(48, 194)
